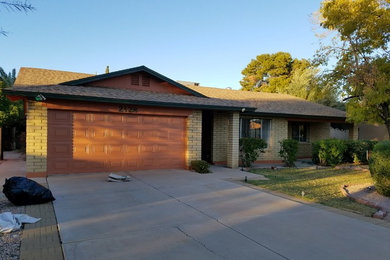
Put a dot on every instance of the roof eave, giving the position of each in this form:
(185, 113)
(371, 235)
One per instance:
(30, 94)
(285, 115)
(87, 80)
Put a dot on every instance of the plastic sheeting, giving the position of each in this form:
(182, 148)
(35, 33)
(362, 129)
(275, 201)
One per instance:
(11, 222)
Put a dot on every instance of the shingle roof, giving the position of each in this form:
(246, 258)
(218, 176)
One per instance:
(42, 81)
(35, 76)
(271, 103)
(104, 94)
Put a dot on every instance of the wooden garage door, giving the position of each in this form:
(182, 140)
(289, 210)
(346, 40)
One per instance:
(100, 142)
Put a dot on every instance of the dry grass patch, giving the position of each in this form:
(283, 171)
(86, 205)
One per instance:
(319, 186)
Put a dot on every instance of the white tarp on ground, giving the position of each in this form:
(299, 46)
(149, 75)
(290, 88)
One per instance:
(10, 222)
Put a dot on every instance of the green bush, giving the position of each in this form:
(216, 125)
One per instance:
(380, 167)
(356, 151)
(250, 149)
(328, 152)
(288, 151)
(200, 166)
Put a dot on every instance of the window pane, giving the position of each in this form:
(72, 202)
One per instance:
(244, 127)
(266, 130)
(255, 128)
(295, 131)
(300, 132)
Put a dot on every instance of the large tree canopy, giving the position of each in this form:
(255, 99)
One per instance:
(280, 73)
(361, 49)
(271, 72)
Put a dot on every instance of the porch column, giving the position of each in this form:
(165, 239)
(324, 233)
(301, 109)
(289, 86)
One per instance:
(353, 132)
(233, 140)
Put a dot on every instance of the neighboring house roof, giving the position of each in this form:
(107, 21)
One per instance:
(47, 82)
(272, 104)
(35, 76)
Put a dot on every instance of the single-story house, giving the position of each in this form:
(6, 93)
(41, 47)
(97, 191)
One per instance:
(137, 119)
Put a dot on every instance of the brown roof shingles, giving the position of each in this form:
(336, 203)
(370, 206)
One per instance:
(46, 81)
(35, 76)
(271, 102)
(131, 96)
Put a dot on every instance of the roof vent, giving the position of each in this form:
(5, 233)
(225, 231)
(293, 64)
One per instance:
(135, 79)
(188, 83)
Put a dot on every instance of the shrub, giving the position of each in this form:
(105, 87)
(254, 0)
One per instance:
(288, 151)
(200, 166)
(356, 151)
(380, 167)
(250, 149)
(328, 152)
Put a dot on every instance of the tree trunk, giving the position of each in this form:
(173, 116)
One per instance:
(387, 124)
(386, 117)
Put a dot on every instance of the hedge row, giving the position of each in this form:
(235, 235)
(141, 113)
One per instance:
(333, 151)
(380, 167)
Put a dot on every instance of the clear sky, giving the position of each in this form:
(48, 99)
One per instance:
(206, 41)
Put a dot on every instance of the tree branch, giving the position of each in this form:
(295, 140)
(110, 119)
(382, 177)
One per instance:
(17, 6)
(350, 97)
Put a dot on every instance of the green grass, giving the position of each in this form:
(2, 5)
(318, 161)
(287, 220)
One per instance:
(319, 186)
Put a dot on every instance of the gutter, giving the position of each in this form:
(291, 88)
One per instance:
(283, 115)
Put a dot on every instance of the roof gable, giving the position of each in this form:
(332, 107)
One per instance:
(144, 79)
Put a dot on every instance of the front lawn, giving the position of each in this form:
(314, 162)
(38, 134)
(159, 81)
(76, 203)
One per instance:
(320, 186)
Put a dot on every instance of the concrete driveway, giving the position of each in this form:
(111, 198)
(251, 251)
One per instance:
(177, 214)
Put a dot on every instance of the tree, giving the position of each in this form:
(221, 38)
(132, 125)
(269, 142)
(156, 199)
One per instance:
(270, 72)
(11, 113)
(280, 73)
(15, 6)
(360, 47)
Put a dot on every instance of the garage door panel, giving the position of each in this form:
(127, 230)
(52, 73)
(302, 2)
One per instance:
(61, 165)
(63, 150)
(110, 142)
(131, 119)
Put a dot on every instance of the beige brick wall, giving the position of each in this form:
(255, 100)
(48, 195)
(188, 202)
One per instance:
(220, 136)
(317, 131)
(233, 135)
(194, 137)
(36, 137)
(279, 131)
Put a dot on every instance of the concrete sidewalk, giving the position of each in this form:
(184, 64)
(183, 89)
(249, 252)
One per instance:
(177, 214)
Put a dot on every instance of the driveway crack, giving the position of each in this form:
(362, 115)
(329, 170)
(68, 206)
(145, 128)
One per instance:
(199, 242)
(216, 219)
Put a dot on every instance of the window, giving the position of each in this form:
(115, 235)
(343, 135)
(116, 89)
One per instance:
(255, 128)
(300, 132)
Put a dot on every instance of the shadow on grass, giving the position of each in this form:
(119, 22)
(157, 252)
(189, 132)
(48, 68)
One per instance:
(319, 186)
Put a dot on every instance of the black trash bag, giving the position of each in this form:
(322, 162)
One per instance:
(23, 191)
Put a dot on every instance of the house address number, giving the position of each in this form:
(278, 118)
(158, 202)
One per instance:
(126, 108)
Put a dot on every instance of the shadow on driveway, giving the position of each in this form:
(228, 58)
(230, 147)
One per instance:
(177, 214)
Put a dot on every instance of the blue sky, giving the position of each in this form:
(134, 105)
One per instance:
(209, 42)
